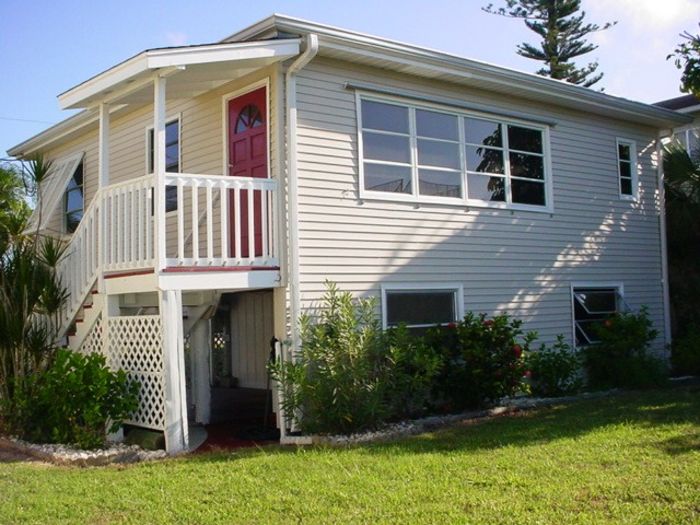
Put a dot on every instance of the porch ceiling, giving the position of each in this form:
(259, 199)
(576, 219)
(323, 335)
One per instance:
(190, 70)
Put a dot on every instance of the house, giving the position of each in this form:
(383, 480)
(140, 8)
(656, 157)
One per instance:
(208, 192)
(689, 134)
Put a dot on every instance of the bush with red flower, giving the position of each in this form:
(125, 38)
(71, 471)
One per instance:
(483, 360)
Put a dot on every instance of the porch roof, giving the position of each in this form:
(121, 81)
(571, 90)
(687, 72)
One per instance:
(192, 70)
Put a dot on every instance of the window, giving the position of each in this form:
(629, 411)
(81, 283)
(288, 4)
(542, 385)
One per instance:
(73, 200)
(592, 306)
(172, 159)
(690, 140)
(421, 308)
(627, 168)
(419, 153)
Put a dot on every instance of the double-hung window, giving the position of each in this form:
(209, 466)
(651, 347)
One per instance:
(422, 307)
(592, 305)
(172, 158)
(627, 168)
(426, 154)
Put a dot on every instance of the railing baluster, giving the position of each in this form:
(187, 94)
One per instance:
(195, 222)
(133, 218)
(263, 220)
(251, 222)
(180, 220)
(237, 222)
(223, 217)
(210, 225)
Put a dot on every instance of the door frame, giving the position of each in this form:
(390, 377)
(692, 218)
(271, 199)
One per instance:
(265, 82)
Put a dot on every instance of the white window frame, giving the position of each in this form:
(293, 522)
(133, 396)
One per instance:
(415, 197)
(634, 168)
(602, 285)
(456, 289)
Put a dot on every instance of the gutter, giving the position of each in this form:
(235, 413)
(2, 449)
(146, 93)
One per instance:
(293, 183)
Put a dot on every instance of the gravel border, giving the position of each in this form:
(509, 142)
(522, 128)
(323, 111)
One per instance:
(430, 423)
(66, 455)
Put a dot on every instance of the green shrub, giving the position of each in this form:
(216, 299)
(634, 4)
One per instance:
(483, 360)
(410, 369)
(621, 358)
(685, 352)
(77, 400)
(334, 383)
(555, 370)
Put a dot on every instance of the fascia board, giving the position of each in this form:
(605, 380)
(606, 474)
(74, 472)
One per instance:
(223, 53)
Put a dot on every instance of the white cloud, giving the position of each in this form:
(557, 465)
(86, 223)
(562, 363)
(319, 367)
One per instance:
(176, 38)
(657, 15)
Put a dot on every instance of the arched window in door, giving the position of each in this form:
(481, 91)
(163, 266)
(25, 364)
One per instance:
(249, 117)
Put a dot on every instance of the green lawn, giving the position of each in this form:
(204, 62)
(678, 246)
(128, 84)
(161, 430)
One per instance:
(633, 458)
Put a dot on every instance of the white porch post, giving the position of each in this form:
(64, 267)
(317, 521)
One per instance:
(103, 182)
(200, 341)
(176, 436)
(159, 168)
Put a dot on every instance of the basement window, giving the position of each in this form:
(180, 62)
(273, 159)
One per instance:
(421, 308)
(592, 307)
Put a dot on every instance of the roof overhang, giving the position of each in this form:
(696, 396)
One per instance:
(406, 58)
(198, 68)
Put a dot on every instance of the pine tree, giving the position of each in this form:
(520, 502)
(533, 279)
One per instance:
(560, 25)
(687, 58)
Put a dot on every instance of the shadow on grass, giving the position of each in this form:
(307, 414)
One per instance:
(652, 408)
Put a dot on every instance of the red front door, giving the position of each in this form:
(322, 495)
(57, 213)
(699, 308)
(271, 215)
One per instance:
(247, 157)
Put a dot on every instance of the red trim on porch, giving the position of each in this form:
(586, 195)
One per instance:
(128, 274)
(186, 269)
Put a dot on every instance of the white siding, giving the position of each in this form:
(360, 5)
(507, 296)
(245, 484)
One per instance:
(251, 332)
(517, 262)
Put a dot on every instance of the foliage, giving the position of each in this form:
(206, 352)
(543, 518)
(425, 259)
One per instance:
(685, 352)
(483, 359)
(334, 384)
(14, 210)
(410, 367)
(77, 399)
(554, 370)
(563, 37)
(686, 57)
(621, 358)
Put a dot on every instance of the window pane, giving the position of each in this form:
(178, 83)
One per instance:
(596, 301)
(442, 154)
(391, 148)
(525, 139)
(440, 183)
(74, 200)
(171, 132)
(387, 117)
(680, 137)
(172, 161)
(394, 179)
(693, 142)
(486, 188)
(170, 198)
(485, 160)
(73, 219)
(625, 169)
(527, 192)
(529, 166)
(420, 307)
(623, 150)
(484, 132)
(626, 186)
(436, 125)
(78, 175)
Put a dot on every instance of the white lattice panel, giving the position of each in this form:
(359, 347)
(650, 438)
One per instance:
(135, 344)
(94, 341)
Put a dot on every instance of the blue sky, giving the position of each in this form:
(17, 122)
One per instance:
(46, 47)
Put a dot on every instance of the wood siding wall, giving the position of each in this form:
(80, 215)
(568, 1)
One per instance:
(517, 262)
(251, 331)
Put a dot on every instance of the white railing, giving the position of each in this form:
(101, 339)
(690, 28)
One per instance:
(127, 211)
(222, 222)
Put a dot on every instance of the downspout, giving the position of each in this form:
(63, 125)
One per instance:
(293, 183)
(663, 242)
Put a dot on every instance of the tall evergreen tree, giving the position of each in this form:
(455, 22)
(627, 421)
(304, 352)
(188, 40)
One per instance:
(560, 25)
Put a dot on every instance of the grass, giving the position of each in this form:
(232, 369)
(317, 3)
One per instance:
(633, 458)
